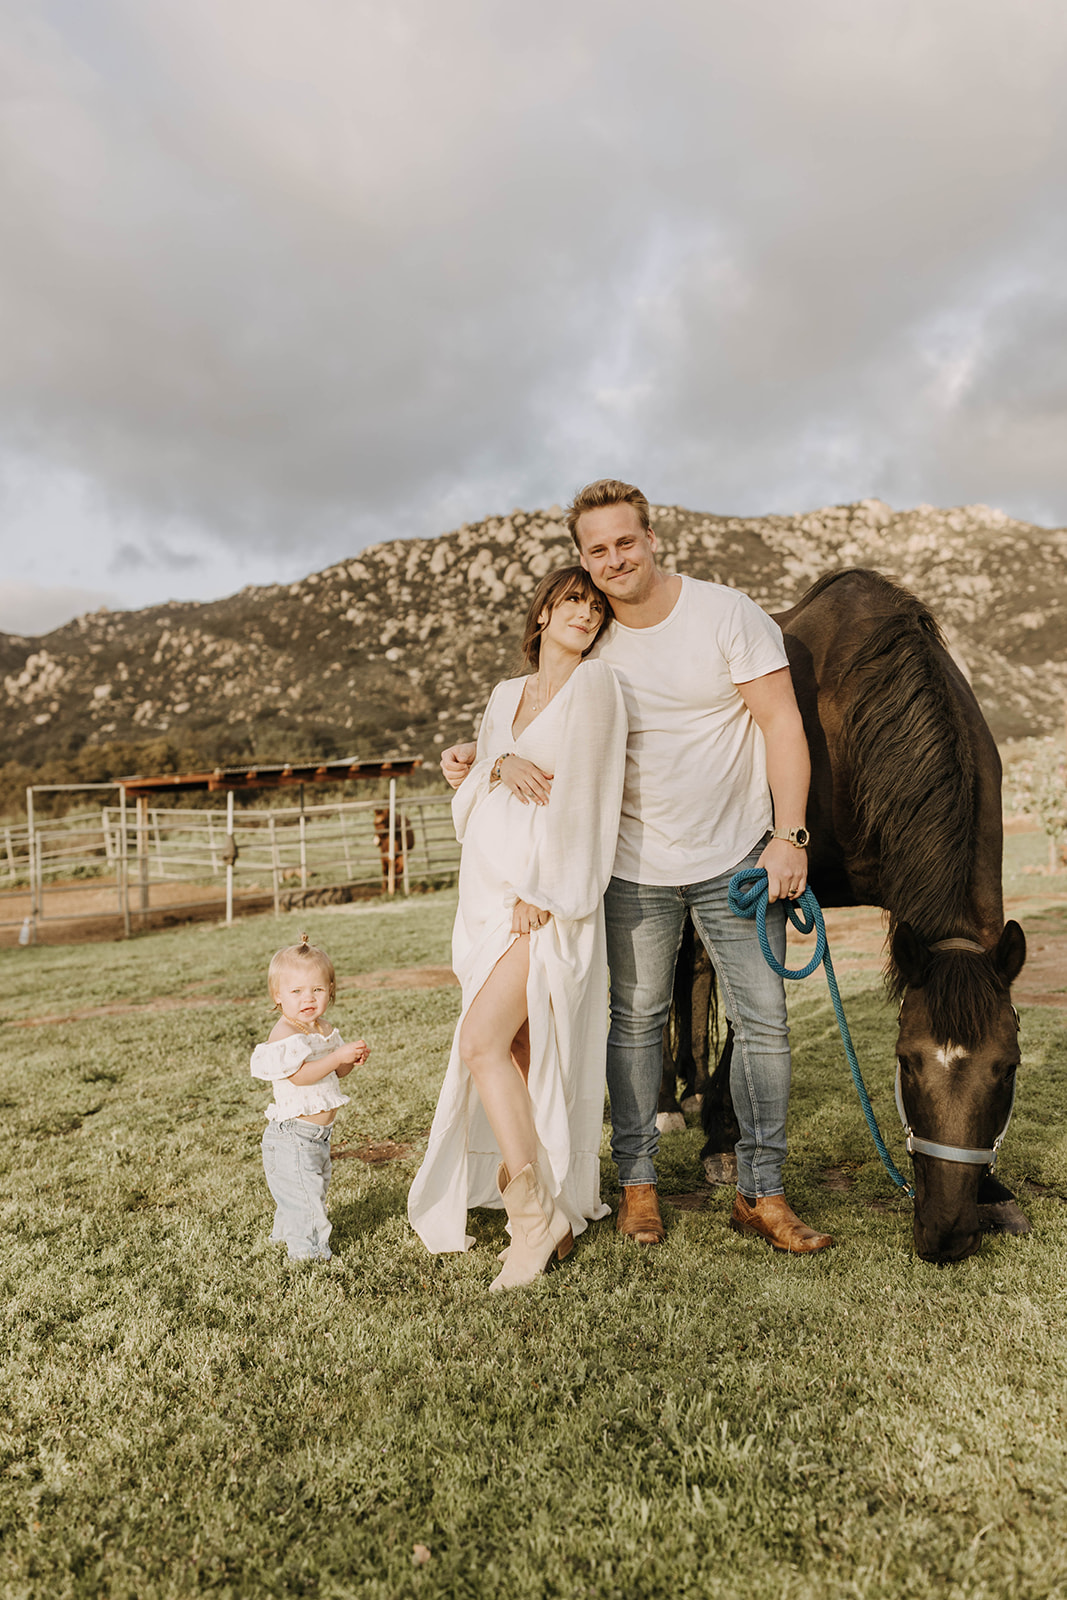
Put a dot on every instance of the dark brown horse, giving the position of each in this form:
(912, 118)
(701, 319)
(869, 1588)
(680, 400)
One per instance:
(905, 813)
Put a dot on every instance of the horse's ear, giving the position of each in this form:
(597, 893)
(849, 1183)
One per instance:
(910, 956)
(1010, 953)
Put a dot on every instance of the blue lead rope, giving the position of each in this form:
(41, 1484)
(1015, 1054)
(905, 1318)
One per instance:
(748, 899)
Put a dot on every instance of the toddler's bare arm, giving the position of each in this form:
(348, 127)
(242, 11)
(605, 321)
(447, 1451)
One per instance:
(341, 1061)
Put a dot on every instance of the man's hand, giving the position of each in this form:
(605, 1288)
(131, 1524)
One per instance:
(526, 781)
(456, 762)
(787, 869)
(526, 918)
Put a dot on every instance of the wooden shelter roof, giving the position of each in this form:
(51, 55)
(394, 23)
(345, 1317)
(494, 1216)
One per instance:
(258, 776)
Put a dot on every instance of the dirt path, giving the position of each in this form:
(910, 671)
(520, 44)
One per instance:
(89, 914)
(195, 999)
(856, 938)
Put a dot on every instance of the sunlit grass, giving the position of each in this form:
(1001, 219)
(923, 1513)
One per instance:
(185, 1414)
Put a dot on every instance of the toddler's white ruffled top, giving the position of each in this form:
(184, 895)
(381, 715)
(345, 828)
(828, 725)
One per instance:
(277, 1062)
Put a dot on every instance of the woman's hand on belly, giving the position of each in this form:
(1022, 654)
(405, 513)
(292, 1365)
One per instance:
(526, 918)
(526, 781)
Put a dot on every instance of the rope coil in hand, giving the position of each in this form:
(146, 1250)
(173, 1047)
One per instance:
(748, 899)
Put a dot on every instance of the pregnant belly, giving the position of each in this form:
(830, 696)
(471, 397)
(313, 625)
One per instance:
(499, 843)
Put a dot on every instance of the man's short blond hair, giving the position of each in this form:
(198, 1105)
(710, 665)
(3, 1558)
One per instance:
(605, 492)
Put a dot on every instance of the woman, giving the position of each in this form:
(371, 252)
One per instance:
(519, 1118)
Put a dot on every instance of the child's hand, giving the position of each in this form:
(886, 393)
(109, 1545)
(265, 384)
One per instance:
(352, 1055)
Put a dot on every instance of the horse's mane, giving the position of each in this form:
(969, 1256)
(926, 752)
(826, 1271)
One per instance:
(914, 788)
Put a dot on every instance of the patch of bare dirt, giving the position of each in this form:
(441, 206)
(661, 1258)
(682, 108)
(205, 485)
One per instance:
(839, 1178)
(1043, 980)
(375, 1152)
(403, 978)
(688, 1202)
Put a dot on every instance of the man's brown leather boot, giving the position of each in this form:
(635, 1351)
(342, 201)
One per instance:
(639, 1216)
(774, 1219)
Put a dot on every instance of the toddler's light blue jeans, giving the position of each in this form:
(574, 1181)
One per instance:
(296, 1160)
(644, 930)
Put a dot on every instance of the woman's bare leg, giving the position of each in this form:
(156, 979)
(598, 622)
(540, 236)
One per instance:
(520, 1051)
(491, 1028)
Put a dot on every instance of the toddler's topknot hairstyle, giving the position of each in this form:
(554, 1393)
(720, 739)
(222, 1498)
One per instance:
(300, 956)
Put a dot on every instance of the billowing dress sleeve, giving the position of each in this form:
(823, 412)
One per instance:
(475, 785)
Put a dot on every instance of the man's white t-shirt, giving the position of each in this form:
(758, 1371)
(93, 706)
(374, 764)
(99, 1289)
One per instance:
(695, 800)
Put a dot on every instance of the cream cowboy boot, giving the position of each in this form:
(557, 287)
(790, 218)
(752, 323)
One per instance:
(538, 1230)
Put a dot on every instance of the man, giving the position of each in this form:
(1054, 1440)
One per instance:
(715, 737)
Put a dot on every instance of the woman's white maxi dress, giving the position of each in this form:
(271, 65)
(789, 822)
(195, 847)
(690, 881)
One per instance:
(559, 857)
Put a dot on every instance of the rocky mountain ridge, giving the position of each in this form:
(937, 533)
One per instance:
(396, 649)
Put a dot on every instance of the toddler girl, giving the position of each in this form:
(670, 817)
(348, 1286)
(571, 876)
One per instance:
(303, 1060)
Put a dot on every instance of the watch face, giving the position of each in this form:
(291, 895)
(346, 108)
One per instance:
(802, 837)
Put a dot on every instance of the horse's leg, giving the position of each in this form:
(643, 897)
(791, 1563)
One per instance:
(669, 1117)
(998, 1209)
(719, 1122)
(702, 997)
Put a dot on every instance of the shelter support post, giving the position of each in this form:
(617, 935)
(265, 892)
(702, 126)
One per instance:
(231, 855)
(142, 853)
(391, 857)
(31, 848)
(123, 878)
(303, 843)
(344, 841)
(406, 852)
(275, 869)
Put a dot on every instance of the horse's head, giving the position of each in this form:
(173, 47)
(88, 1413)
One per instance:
(957, 1049)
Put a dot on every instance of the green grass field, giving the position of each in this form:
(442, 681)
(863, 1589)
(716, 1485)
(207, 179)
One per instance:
(184, 1414)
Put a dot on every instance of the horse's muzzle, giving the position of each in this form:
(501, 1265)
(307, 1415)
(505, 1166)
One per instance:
(944, 1247)
(946, 1225)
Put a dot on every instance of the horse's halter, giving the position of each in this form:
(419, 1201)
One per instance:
(954, 1152)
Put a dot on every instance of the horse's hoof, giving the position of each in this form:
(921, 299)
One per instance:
(721, 1169)
(1005, 1217)
(692, 1104)
(670, 1122)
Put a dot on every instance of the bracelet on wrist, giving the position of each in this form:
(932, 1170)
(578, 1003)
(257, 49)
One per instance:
(494, 772)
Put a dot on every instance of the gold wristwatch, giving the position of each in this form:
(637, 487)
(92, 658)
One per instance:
(798, 836)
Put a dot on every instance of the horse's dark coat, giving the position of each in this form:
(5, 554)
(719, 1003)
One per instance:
(905, 813)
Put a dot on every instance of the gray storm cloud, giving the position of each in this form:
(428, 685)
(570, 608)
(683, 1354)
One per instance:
(279, 279)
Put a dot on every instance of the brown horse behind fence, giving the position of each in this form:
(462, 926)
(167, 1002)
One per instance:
(403, 839)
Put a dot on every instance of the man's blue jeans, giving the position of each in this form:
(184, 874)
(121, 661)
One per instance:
(644, 929)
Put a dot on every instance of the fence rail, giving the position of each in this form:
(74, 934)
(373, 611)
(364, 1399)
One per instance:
(130, 860)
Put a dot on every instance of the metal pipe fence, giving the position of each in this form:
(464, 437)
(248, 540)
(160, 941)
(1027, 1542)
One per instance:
(131, 859)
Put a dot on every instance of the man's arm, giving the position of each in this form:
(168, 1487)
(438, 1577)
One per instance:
(775, 712)
(456, 762)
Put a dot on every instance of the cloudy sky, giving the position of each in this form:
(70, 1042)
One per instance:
(282, 278)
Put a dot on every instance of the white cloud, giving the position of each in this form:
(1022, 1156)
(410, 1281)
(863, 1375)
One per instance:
(278, 280)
